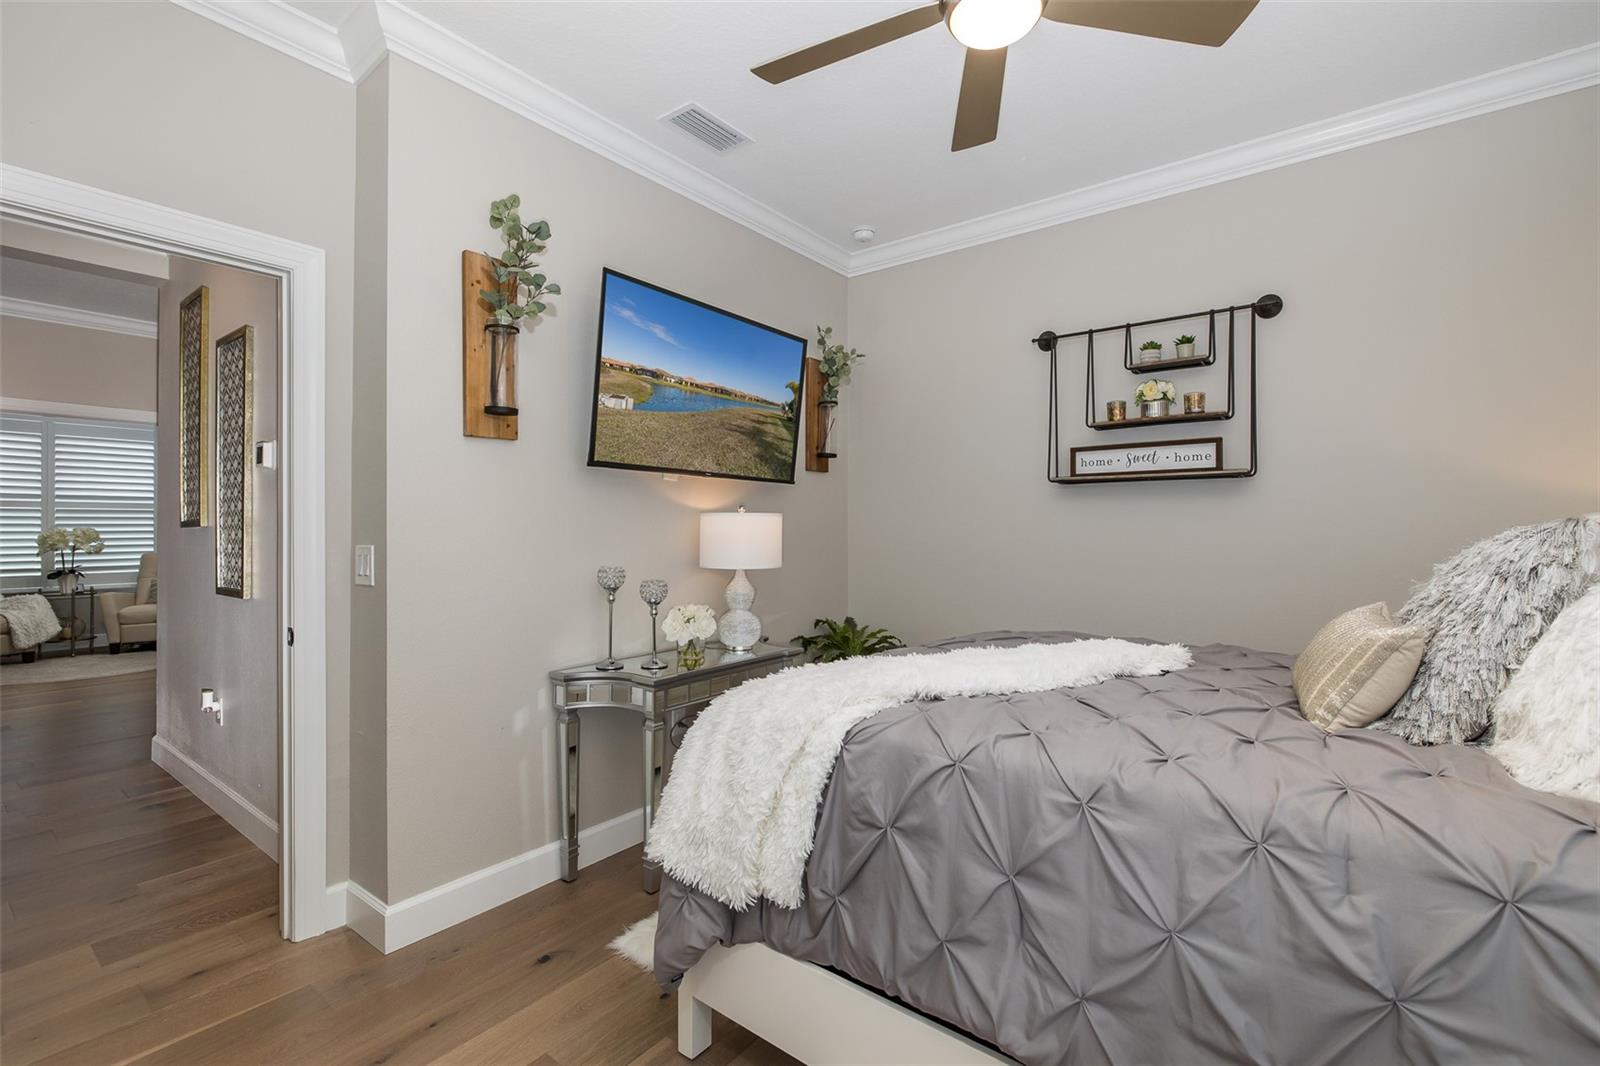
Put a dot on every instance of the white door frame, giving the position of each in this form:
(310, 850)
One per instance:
(301, 270)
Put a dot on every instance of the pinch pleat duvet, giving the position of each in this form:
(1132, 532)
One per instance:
(1182, 869)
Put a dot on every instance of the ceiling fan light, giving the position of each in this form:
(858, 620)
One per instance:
(986, 24)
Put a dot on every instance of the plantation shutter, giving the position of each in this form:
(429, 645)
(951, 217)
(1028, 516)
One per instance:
(22, 504)
(76, 472)
(104, 475)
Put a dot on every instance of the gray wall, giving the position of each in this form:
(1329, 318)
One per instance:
(1433, 379)
(205, 120)
(369, 444)
(493, 545)
(70, 364)
(204, 640)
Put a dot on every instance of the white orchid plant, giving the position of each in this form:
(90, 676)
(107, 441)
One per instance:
(1154, 391)
(66, 544)
(689, 621)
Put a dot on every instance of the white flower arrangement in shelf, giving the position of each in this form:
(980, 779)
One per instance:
(689, 621)
(1154, 391)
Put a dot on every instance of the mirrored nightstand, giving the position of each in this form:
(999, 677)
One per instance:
(667, 700)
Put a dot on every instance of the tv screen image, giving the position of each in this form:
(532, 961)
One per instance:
(683, 387)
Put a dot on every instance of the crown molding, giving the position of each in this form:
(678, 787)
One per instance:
(278, 25)
(12, 307)
(386, 27)
(413, 37)
(1563, 72)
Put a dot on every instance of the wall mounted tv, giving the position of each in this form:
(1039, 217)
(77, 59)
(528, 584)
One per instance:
(682, 387)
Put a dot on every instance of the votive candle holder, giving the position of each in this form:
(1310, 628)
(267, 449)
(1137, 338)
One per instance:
(1116, 410)
(1194, 403)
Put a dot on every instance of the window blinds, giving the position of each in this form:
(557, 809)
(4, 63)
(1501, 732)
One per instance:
(76, 472)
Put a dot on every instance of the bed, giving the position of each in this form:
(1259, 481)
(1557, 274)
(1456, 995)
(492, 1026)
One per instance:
(1170, 869)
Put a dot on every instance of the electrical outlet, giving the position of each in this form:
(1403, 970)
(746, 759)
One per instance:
(210, 705)
(366, 564)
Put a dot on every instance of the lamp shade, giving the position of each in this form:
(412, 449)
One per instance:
(741, 540)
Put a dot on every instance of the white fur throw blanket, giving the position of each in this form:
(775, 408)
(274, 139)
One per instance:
(31, 618)
(737, 815)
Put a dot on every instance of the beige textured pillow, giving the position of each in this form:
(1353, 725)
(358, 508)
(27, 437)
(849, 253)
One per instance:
(1357, 667)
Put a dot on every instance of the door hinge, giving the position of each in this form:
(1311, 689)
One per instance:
(291, 636)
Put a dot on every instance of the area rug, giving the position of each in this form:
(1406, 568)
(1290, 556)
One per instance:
(637, 943)
(77, 668)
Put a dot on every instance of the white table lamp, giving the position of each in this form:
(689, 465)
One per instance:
(740, 540)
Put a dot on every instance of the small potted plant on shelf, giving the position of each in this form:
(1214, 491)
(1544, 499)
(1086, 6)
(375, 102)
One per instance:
(1150, 352)
(1155, 397)
(690, 625)
(835, 361)
(1185, 346)
(519, 295)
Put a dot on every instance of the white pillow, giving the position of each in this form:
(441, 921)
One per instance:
(1547, 721)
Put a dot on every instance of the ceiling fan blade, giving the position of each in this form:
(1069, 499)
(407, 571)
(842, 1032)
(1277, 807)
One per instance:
(978, 110)
(1209, 22)
(853, 43)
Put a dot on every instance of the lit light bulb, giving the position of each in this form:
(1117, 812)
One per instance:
(986, 24)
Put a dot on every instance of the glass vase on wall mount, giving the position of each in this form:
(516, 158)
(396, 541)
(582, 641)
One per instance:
(827, 416)
(502, 337)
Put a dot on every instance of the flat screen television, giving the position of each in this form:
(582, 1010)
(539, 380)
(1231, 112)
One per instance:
(681, 387)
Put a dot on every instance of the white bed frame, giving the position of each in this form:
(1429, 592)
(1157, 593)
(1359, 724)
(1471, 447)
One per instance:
(815, 1015)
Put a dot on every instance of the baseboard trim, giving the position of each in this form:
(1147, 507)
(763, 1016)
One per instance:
(391, 926)
(237, 811)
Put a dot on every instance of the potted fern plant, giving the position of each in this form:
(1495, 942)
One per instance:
(845, 640)
(518, 296)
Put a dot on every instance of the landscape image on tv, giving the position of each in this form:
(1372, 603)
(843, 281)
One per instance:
(683, 387)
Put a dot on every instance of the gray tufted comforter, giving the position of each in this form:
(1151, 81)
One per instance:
(1180, 869)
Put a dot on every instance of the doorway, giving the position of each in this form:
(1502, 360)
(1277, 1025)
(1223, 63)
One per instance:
(300, 628)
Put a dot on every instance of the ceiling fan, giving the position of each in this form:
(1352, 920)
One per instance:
(986, 27)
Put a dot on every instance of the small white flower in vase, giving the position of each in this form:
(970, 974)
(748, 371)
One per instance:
(690, 625)
(1155, 397)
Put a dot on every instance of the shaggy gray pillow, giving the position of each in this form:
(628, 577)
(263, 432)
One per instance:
(1486, 607)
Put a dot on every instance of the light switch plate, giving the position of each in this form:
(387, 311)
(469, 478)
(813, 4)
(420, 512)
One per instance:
(366, 564)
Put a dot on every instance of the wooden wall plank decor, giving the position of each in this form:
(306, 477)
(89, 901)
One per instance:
(477, 274)
(236, 406)
(194, 398)
(813, 392)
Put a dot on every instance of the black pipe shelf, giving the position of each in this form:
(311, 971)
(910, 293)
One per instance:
(1171, 364)
(1268, 306)
(1163, 420)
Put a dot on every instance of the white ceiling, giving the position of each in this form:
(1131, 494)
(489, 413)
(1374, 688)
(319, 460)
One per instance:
(866, 141)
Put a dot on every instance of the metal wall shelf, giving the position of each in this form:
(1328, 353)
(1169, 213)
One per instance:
(1267, 306)
(1163, 420)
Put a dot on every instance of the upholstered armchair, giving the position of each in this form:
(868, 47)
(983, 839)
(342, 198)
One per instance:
(131, 616)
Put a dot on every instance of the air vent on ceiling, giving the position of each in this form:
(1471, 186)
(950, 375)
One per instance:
(706, 128)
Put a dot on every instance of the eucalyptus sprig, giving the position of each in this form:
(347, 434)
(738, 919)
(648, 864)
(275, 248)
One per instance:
(522, 292)
(835, 362)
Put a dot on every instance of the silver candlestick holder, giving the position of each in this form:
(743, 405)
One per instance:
(653, 591)
(611, 579)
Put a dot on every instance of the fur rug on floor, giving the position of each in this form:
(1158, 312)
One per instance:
(737, 815)
(637, 943)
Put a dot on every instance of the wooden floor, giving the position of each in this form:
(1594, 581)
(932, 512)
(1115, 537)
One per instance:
(137, 925)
